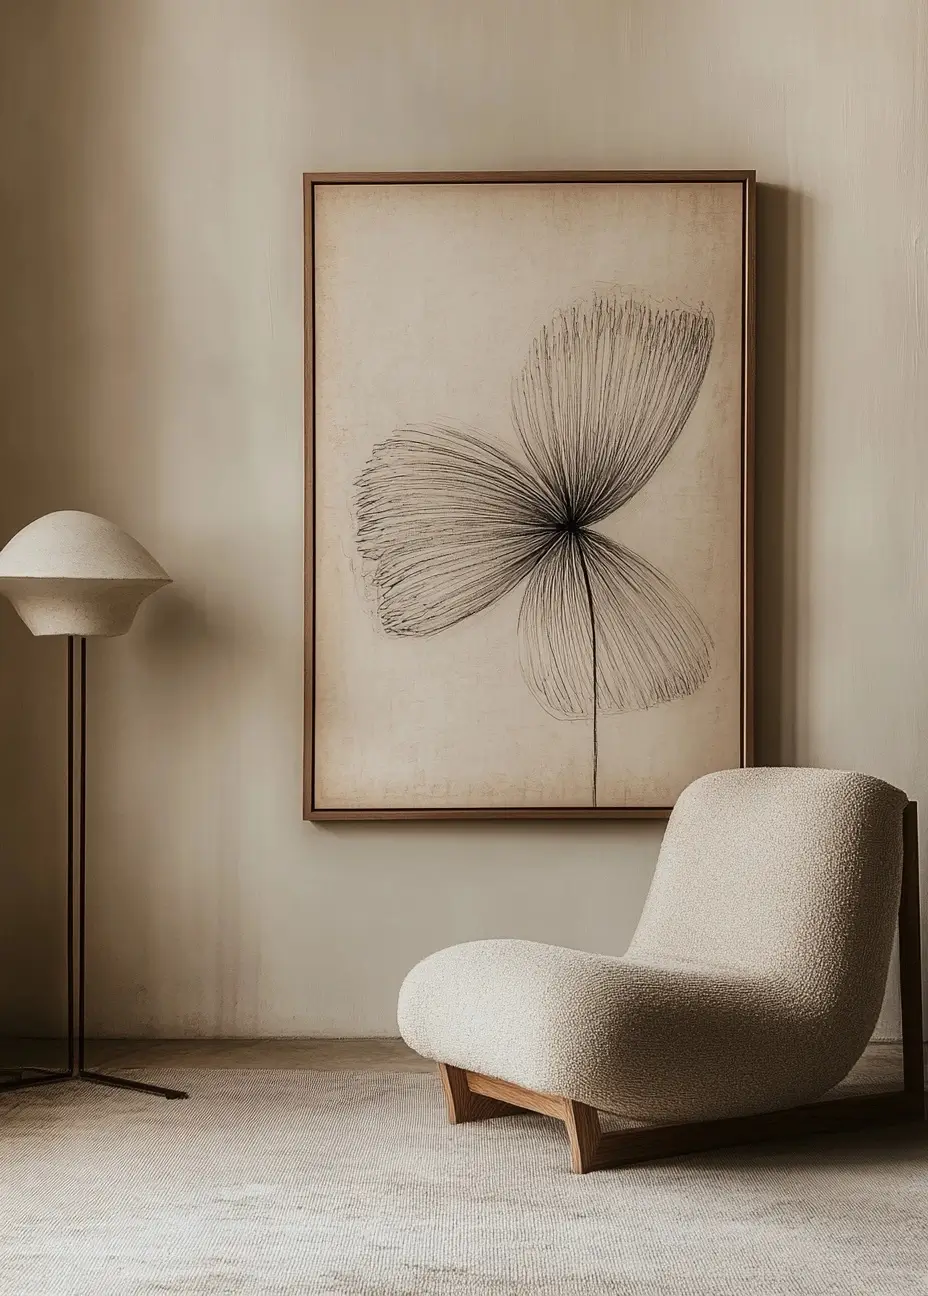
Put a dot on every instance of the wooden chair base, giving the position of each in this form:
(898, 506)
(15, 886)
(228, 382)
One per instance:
(472, 1097)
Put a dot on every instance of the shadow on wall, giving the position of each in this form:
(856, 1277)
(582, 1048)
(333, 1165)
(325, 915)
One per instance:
(783, 327)
(43, 411)
(83, 342)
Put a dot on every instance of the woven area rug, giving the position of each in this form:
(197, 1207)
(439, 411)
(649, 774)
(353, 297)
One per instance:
(351, 1184)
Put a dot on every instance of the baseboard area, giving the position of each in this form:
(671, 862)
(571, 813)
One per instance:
(222, 1054)
(880, 1068)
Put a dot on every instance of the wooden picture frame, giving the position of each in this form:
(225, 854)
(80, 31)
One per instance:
(358, 215)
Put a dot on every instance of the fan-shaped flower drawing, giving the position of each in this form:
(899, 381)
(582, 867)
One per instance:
(449, 522)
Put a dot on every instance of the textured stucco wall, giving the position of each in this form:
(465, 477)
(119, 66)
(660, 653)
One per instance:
(150, 370)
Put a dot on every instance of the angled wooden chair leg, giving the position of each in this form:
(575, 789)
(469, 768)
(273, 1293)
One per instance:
(585, 1135)
(466, 1105)
(472, 1097)
(454, 1087)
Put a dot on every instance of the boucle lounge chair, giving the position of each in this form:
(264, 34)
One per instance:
(751, 987)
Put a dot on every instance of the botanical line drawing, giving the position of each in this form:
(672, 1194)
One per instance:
(449, 522)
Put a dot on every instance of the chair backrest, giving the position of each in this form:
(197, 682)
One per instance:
(792, 874)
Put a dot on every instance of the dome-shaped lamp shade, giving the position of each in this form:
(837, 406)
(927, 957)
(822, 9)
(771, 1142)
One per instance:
(73, 573)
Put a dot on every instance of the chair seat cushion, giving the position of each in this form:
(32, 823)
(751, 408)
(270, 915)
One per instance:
(650, 1040)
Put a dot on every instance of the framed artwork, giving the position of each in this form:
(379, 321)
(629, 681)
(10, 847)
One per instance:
(529, 409)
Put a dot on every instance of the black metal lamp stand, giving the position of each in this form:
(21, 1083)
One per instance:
(77, 794)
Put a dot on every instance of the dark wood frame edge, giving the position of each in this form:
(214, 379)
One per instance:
(749, 359)
(470, 1096)
(309, 500)
(737, 176)
(747, 178)
(493, 812)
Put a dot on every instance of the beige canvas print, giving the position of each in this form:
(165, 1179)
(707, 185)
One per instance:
(528, 407)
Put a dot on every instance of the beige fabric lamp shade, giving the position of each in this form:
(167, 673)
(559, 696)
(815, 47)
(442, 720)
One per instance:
(72, 573)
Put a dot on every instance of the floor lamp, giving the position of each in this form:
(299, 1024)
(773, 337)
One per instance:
(77, 575)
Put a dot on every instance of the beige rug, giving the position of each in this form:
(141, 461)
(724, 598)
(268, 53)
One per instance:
(285, 1182)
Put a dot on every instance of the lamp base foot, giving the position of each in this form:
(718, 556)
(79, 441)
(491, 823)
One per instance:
(119, 1082)
(24, 1081)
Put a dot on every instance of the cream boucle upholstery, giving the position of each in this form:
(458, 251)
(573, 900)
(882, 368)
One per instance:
(753, 981)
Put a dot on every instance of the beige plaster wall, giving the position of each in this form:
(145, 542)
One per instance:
(151, 370)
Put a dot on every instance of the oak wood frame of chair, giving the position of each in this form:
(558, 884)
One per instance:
(472, 1097)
